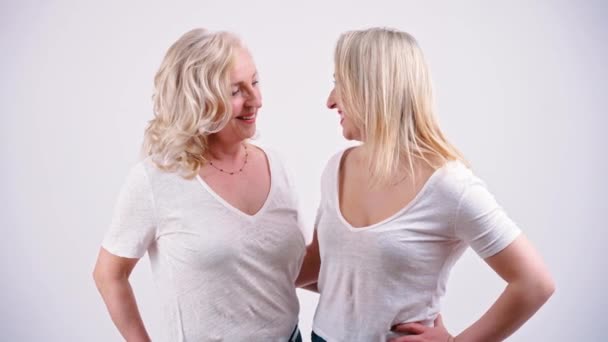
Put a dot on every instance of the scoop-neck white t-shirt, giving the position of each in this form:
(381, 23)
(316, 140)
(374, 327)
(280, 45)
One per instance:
(395, 271)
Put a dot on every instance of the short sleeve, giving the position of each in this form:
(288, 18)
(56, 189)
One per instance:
(482, 223)
(133, 226)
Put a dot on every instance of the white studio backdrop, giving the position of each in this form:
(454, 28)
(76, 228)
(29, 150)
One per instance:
(521, 90)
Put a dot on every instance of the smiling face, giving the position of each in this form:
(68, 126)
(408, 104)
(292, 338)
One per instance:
(349, 130)
(245, 99)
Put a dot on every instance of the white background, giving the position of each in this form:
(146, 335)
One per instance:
(521, 87)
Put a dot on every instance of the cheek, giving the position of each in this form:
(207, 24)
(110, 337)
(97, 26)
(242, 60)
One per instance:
(237, 105)
(349, 122)
(354, 131)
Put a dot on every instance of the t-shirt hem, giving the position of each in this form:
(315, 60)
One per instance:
(121, 252)
(505, 241)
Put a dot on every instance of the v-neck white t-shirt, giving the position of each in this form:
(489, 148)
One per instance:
(222, 275)
(395, 271)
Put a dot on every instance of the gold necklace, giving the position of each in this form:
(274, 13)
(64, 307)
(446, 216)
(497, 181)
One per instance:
(233, 172)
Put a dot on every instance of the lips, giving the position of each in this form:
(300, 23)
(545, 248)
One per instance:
(247, 118)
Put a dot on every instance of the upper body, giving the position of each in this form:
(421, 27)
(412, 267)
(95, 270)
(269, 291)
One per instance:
(378, 271)
(217, 215)
(399, 209)
(221, 273)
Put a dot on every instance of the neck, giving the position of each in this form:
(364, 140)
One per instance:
(364, 154)
(224, 150)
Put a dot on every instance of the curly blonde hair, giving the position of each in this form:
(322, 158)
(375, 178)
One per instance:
(191, 100)
(384, 82)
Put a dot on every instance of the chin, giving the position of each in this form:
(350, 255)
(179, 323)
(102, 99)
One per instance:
(348, 135)
(249, 133)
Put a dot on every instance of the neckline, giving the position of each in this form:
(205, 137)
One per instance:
(399, 212)
(234, 209)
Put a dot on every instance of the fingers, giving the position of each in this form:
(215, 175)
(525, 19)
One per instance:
(412, 328)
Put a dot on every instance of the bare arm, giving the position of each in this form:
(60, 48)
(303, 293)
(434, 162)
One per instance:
(529, 287)
(309, 273)
(111, 276)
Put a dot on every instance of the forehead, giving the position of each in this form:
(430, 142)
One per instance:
(243, 67)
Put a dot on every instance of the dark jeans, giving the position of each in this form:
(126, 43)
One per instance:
(295, 335)
(316, 338)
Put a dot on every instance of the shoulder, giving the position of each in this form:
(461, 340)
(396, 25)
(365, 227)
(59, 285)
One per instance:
(329, 175)
(141, 176)
(453, 179)
(333, 164)
(139, 172)
(148, 171)
(280, 171)
(276, 159)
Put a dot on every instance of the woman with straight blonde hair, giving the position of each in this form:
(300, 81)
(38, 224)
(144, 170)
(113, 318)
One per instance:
(398, 211)
(216, 214)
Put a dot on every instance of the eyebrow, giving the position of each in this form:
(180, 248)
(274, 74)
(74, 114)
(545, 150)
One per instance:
(252, 76)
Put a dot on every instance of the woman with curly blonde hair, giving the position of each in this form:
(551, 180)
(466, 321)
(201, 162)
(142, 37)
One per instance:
(216, 214)
(398, 211)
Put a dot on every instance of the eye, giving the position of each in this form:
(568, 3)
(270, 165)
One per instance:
(255, 83)
(236, 92)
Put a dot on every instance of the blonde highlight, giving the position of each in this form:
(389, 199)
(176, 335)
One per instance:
(191, 100)
(386, 89)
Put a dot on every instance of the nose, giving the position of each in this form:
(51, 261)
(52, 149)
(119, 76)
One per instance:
(331, 100)
(254, 99)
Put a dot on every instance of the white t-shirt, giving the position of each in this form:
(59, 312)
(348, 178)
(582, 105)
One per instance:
(396, 271)
(222, 275)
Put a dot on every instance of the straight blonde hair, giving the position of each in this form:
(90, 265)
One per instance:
(191, 100)
(385, 87)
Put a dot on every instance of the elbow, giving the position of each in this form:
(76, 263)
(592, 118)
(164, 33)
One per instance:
(540, 290)
(103, 278)
(546, 288)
